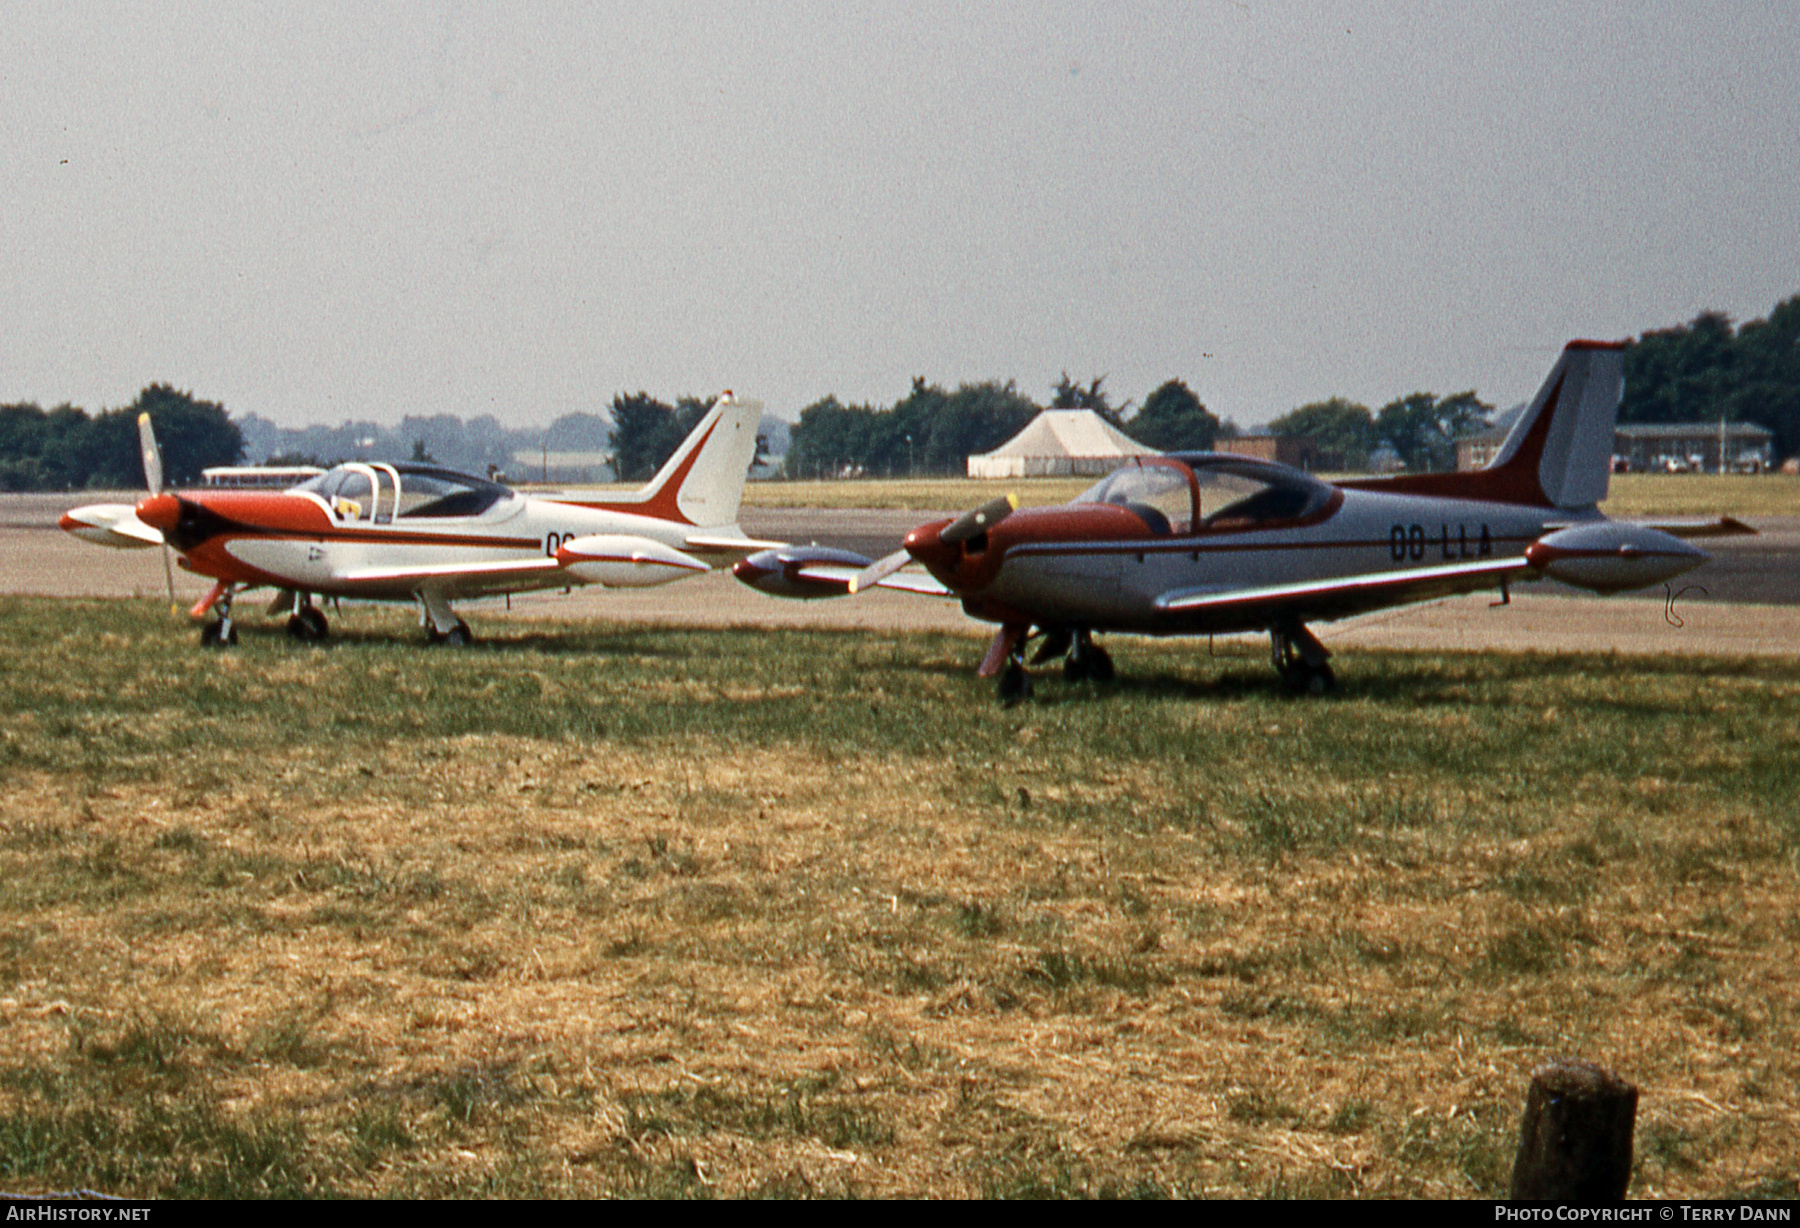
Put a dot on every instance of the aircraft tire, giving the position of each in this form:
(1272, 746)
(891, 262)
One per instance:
(1015, 685)
(1100, 665)
(1312, 680)
(1076, 669)
(308, 626)
(459, 636)
(210, 636)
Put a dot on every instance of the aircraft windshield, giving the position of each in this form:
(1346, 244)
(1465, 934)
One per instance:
(426, 492)
(1210, 493)
(1158, 492)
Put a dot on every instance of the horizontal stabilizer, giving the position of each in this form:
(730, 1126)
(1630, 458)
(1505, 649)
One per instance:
(726, 546)
(1722, 526)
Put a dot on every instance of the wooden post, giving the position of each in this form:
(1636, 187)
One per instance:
(1575, 1140)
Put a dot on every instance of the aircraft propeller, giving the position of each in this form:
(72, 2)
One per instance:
(980, 520)
(153, 478)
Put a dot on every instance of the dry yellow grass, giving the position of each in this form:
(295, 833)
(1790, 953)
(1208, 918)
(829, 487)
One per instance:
(843, 927)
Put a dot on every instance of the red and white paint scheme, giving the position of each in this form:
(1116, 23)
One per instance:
(1207, 543)
(420, 533)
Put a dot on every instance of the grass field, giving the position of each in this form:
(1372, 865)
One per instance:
(1633, 494)
(612, 912)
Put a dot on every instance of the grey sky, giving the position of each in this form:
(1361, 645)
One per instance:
(314, 212)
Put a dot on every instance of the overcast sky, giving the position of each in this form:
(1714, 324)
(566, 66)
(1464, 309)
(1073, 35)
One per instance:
(314, 212)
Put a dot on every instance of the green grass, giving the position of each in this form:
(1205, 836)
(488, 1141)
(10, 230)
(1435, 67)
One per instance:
(610, 911)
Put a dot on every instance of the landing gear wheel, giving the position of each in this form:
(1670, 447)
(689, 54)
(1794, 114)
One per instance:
(1300, 660)
(1305, 679)
(217, 634)
(1099, 665)
(1015, 685)
(459, 636)
(308, 625)
(1087, 662)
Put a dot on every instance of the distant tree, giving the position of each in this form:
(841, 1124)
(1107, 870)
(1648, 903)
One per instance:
(1680, 374)
(578, 432)
(1174, 420)
(1340, 431)
(193, 435)
(1067, 394)
(422, 454)
(831, 436)
(976, 418)
(642, 426)
(288, 460)
(1424, 429)
(1767, 375)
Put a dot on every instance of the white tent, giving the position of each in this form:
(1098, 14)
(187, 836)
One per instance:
(1060, 443)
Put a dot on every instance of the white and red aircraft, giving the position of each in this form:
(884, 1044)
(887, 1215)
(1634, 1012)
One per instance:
(420, 533)
(1207, 543)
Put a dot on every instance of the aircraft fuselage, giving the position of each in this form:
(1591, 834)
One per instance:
(1113, 580)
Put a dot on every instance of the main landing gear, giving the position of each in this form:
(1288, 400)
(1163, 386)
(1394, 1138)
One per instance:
(441, 624)
(1301, 660)
(307, 623)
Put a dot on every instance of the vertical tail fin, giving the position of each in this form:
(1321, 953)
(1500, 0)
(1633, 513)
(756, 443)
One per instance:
(702, 484)
(1564, 439)
(1559, 452)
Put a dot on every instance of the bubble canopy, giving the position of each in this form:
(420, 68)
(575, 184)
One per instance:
(1206, 492)
(381, 492)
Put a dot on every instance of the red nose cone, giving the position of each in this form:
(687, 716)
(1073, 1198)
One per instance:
(924, 544)
(160, 511)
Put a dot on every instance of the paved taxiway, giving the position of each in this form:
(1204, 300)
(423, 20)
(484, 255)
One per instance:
(1751, 604)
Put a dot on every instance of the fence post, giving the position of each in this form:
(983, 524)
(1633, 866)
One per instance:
(1575, 1139)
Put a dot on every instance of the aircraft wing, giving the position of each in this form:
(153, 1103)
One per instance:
(1343, 596)
(903, 581)
(111, 524)
(807, 572)
(505, 569)
(471, 579)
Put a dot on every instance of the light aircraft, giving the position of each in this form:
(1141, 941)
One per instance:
(1207, 543)
(429, 535)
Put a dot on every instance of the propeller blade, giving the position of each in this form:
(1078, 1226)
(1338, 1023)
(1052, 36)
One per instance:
(878, 571)
(980, 520)
(153, 478)
(169, 575)
(153, 471)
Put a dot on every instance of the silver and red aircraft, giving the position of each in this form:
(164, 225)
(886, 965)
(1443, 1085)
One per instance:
(428, 535)
(1208, 543)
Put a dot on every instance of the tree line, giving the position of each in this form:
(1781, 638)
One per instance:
(66, 448)
(1695, 372)
(932, 430)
